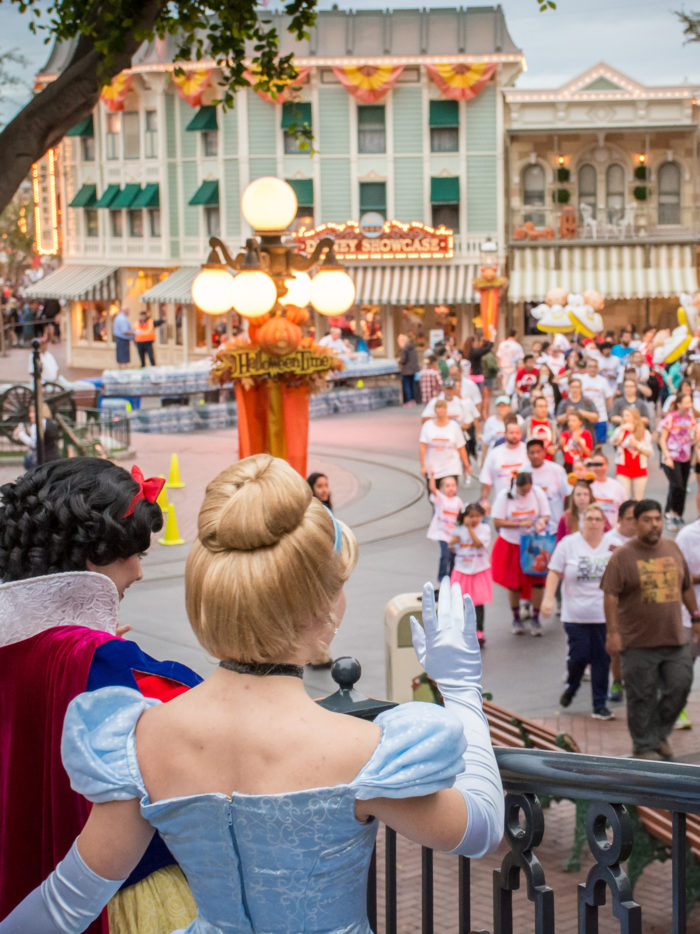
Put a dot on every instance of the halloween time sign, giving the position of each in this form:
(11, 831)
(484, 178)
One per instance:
(251, 363)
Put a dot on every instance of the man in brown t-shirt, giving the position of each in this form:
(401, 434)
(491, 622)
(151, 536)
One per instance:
(644, 584)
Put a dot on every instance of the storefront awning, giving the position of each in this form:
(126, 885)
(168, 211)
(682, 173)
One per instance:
(77, 282)
(618, 272)
(85, 198)
(422, 284)
(206, 194)
(176, 288)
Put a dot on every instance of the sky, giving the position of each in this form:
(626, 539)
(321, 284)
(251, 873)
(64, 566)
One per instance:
(641, 38)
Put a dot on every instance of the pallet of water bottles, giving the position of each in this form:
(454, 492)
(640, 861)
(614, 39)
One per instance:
(174, 380)
(205, 416)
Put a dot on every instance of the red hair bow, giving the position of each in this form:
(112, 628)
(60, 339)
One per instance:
(148, 489)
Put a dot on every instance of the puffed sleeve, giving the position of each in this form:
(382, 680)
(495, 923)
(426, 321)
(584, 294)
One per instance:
(420, 751)
(98, 748)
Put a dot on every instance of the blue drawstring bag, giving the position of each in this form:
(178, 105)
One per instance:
(535, 552)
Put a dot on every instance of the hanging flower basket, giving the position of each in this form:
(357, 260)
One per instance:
(562, 195)
(641, 172)
(640, 192)
(563, 174)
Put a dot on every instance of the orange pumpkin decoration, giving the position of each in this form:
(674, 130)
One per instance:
(279, 337)
(297, 315)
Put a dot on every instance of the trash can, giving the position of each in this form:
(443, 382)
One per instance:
(405, 679)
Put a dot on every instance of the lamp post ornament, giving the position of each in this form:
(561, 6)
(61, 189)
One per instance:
(275, 368)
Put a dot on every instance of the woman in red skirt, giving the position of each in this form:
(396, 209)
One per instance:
(521, 510)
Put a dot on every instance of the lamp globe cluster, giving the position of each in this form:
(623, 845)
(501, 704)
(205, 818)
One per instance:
(269, 205)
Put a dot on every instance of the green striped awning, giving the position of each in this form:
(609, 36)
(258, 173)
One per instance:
(84, 128)
(444, 190)
(295, 112)
(303, 189)
(126, 197)
(204, 119)
(444, 113)
(108, 196)
(148, 197)
(207, 193)
(85, 198)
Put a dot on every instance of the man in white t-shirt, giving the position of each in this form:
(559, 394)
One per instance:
(334, 340)
(551, 478)
(468, 389)
(688, 540)
(463, 411)
(502, 464)
(609, 365)
(508, 353)
(442, 446)
(49, 366)
(597, 388)
(607, 491)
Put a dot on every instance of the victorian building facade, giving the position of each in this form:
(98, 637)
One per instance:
(406, 113)
(602, 188)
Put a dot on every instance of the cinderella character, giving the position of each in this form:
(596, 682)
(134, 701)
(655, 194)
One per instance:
(266, 799)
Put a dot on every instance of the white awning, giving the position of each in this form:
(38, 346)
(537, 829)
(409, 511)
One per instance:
(617, 271)
(427, 284)
(77, 282)
(176, 288)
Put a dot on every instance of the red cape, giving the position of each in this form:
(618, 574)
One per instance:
(38, 678)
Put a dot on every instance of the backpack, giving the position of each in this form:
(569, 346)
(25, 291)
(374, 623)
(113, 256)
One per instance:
(489, 365)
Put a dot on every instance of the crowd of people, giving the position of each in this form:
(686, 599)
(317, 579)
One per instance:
(23, 319)
(563, 464)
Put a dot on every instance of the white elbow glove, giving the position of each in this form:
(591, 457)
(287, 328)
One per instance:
(448, 650)
(65, 903)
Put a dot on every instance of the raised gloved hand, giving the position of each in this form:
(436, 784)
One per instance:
(446, 643)
(448, 650)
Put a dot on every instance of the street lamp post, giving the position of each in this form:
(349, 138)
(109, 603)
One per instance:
(270, 274)
(268, 282)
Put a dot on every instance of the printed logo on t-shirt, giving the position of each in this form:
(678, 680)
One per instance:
(658, 579)
(590, 568)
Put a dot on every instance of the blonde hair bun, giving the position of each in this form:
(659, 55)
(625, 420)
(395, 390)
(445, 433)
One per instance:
(253, 504)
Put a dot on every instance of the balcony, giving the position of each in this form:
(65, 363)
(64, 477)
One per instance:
(638, 222)
(594, 799)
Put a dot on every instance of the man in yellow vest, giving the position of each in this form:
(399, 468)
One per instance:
(145, 337)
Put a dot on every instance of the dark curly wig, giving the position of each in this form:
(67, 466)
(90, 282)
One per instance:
(61, 515)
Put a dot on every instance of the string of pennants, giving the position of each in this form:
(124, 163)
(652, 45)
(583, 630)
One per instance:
(367, 83)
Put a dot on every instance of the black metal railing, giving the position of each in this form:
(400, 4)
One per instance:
(610, 790)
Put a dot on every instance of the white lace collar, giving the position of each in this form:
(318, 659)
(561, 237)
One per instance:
(74, 598)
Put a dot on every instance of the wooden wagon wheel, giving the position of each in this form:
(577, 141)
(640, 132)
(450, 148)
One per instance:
(14, 408)
(59, 400)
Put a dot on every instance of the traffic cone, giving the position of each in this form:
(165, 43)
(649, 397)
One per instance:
(174, 481)
(172, 533)
(163, 498)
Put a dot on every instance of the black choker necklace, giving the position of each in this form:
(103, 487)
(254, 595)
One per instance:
(262, 669)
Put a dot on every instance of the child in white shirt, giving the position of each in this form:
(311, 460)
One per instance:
(472, 566)
(447, 506)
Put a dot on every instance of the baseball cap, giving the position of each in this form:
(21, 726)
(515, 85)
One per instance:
(503, 400)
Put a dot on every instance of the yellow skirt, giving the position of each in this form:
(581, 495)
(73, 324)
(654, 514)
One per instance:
(159, 904)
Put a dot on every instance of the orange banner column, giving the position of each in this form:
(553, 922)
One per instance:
(252, 419)
(275, 420)
(295, 401)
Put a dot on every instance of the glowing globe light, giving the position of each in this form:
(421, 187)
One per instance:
(212, 290)
(253, 293)
(298, 290)
(332, 291)
(269, 204)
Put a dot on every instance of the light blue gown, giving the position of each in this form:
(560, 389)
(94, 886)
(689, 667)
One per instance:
(266, 864)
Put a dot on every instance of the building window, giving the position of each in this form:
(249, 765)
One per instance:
(135, 223)
(669, 180)
(116, 223)
(150, 140)
(587, 189)
(533, 185)
(87, 148)
(304, 190)
(296, 126)
(210, 142)
(371, 128)
(114, 124)
(91, 226)
(444, 198)
(615, 193)
(211, 220)
(132, 141)
(154, 222)
(373, 197)
(444, 126)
